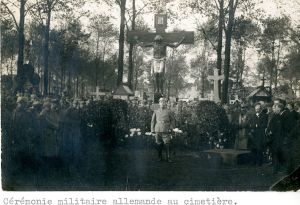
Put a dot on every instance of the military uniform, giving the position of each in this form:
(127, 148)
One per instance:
(161, 124)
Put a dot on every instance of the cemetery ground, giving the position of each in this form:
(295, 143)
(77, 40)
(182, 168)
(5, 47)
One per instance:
(138, 170)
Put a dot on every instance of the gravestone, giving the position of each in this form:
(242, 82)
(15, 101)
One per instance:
(97, 94)
(216, 78)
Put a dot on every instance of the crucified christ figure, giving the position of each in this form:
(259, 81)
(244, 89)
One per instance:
(159, 59)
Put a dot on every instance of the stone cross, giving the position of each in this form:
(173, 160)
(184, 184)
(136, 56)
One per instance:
(98, 93)
(216, 77)
(263, 81)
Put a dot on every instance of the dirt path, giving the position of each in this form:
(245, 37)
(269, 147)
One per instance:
(135, 170)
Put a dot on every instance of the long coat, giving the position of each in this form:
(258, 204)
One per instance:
(49, 128)
(288, 123)
(162, 121)
(70, 135)
(258, 125)
(275, 132)
(21, 137)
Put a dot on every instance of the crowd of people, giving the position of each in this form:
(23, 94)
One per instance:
(270, 131)
(39, 130)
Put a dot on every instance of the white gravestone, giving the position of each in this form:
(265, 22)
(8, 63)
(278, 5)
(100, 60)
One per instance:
(216, 77)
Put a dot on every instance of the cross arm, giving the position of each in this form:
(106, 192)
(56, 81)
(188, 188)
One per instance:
(168, 38)
(221, 77)
(175, 45)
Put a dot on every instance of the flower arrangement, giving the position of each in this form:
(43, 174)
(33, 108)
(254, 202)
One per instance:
(177, 131)
(218, 142)
(135, 132)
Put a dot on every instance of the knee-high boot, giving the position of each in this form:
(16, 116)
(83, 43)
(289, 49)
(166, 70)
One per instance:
(159, 148)
(168, 153)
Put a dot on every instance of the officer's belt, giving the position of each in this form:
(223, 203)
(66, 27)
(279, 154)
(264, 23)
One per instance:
(163, 121)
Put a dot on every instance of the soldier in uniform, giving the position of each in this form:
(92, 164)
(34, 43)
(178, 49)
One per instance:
(161, 124)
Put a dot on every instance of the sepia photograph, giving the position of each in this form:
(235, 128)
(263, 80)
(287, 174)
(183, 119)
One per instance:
(150, 95)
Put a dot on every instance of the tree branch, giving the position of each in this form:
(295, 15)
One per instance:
(126, 24)
(141, 9)
(12, 15)
(29, 8)
(206, 37)
(235, 5)
(217, 5)
(13, 4)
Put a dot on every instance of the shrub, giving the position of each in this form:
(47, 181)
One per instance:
(211, 126)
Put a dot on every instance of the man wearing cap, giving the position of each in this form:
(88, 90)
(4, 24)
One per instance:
(161, 124)
(159, 59)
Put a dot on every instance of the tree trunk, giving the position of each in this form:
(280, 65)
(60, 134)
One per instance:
(61, 79)
(202, 73)
(121, 42)
(136, 79)
(228, 52)
(273, 65)
(20, 60)
(77, 85)
(131, 47)
(82, 87)
(240, 63)
(69, 84)
(97, 59)
(96, 73)
(46, 50)
(169, 88)
(11, 65)
(202, 86)
(276, 67)
(220, 39)
(49, 82)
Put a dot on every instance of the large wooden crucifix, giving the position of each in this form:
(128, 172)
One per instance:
(216, 77)
(160, 40)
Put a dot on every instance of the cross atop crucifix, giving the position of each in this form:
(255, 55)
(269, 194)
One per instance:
(160, 40)
(216, 77)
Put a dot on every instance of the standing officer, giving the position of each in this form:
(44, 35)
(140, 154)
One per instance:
(161, 124)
